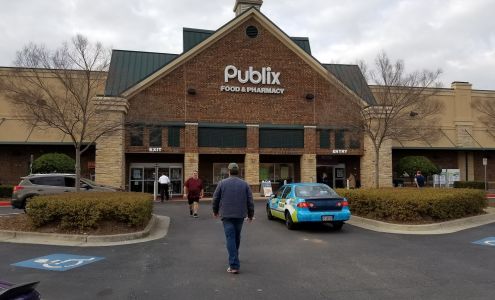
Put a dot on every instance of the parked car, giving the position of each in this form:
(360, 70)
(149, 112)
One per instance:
(308, 202)
(44, 184)
(24, 291)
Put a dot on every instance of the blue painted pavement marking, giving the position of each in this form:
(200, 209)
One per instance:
(58, 262)
(489, 241)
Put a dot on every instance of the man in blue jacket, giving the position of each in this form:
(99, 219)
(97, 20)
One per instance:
(233, 201)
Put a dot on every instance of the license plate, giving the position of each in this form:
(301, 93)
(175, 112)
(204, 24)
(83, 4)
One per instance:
(327, 218)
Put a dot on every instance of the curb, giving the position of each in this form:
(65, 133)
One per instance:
(437, 228)
(157, 228)
(4, 203)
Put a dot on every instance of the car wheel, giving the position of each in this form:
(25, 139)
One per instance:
(337, 225)
(269, 213)
(288, 221)
(24, 203)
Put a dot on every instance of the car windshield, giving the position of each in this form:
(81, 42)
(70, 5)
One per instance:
(315, 191)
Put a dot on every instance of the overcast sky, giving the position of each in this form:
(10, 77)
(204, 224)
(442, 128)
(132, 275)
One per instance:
(457, 36)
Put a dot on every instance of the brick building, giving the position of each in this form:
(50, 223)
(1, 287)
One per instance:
(251, 94)
(246, 93)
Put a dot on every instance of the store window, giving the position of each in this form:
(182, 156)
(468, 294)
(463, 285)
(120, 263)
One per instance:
(221, 171)
(222, 137)
(277, 172)
(340, 139)
(174, 137)
(155, 137)
(281, 138)
(137, 133)
(324, 138)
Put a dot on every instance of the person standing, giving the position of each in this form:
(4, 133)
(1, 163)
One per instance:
(351, 181)
(233, 201)
(193, 191)
(164, 181)
(419, 179)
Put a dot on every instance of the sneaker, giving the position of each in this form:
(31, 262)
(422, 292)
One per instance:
(195, 215)
(233, 271)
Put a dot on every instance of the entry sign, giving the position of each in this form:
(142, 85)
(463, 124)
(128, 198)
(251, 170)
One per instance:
(485, 161)
(58, 262)
(489, 241)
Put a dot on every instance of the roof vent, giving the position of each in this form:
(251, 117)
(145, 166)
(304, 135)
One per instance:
(252, 31)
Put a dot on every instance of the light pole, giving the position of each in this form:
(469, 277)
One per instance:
(485, 162)
(155, 183)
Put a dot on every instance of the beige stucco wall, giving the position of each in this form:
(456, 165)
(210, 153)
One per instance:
(14, 130)
(459, 124)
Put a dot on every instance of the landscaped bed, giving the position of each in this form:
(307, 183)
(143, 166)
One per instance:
(413, 205)
(83, 213)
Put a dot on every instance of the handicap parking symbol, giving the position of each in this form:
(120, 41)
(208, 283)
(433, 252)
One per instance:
(489, 241)
(58, 262)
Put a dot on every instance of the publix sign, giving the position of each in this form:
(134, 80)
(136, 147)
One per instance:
(265, 76)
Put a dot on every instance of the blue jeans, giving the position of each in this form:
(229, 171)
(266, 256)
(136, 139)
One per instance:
(232, 228)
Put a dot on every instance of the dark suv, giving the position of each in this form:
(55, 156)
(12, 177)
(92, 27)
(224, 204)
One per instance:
(44, 184)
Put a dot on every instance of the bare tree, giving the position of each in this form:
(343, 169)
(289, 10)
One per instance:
(487, 108)
(405, 110)
(54, 89)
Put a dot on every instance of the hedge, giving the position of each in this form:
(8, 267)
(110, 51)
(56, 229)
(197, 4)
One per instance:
(415, 205)
(6, 191)
(86, 209)
(469, 185)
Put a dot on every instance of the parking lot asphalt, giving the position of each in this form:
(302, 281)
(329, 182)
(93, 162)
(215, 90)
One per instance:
(313, 262)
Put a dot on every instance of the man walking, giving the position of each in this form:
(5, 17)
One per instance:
(193, 191)
(164, 181)
(233, 201)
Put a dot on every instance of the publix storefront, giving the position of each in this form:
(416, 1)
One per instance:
(246, 93)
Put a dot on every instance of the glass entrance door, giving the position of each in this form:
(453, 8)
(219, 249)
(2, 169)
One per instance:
(175, 181)
(143, 177)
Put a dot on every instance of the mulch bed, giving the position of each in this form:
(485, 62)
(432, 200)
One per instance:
(21, 222)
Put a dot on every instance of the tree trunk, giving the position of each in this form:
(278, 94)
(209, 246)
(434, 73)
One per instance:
(78, 168)
(377, 167)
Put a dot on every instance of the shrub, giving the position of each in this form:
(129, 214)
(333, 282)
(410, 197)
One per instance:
(469, 185)
(54, 162)
(415, 205)
(6, 191)
(411, 164)
(87, 210)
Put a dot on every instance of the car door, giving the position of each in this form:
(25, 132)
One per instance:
(283, 201)
(274, 202)
(49, 185)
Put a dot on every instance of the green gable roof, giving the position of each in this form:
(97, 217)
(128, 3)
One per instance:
(351, 76)
(127, 68)
(192, 36)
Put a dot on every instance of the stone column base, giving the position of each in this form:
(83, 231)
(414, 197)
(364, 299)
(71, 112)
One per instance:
(308, 168)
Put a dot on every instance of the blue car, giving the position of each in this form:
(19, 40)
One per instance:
(308, 202)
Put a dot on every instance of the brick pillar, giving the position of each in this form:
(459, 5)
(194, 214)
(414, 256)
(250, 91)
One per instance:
(191, 155)
(308, 159)
(368, 164)
(465, 163)
(110, 148)
(252, 158)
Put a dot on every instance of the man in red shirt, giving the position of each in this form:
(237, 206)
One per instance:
(193, 191)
